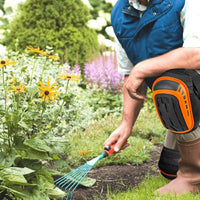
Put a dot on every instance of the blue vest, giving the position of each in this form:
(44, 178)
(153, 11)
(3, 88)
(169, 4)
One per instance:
(158, 31)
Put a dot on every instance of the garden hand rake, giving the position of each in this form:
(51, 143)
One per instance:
(71, 180)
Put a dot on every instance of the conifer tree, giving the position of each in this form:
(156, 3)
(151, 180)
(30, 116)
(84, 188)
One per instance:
(60, 24)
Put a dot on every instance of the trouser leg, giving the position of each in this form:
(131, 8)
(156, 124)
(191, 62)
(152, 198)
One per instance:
(189, 136)
(170, 141)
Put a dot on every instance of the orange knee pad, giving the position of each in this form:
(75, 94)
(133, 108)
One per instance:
(177, 106)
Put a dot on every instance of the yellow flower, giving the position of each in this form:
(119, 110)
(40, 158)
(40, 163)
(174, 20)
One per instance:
(13, 80)
(47, 92)
(38, 50)
(52, 57)
(19, 88)
(69, 77)
(7, 62)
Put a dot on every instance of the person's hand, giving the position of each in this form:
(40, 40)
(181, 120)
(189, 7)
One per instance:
(119, 136)
(133, 86)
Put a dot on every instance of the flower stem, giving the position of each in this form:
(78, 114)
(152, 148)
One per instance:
(42, 113)
(5, 96)
(31, 77)
(30, 81)
(44, 66)
(5, 90)
(61, 106)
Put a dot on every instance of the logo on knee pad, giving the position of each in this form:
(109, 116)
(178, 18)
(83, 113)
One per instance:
(172, 101)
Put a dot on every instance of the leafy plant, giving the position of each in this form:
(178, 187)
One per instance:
(30, 106)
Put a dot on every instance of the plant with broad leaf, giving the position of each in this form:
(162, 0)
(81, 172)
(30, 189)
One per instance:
(31, 102)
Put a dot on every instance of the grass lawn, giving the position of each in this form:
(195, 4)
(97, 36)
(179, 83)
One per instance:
(145, 191)
(88, 144)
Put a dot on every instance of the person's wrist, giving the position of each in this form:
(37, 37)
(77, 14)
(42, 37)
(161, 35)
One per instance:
(138, 71)
(126, 127)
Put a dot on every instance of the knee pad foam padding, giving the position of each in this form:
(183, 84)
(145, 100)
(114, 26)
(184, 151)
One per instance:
(168, 163)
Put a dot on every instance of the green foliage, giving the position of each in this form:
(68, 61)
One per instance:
(60, 24)
(2, 2)
(149, 104)
(99, 6)
(88, 144)
(105, 103)
(148, 126)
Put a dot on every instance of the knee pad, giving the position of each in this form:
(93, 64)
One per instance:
(168, 163)
(176, 103)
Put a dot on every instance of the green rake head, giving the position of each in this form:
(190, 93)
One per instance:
(69, 182)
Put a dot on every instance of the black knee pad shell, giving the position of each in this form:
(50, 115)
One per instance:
(176, 100)
(168, 163)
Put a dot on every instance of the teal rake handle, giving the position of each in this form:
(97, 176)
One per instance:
(71, 180)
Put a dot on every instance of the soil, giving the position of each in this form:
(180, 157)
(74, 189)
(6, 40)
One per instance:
(118, 178)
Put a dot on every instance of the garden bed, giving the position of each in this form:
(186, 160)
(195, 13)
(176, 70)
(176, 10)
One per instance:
(118, 178)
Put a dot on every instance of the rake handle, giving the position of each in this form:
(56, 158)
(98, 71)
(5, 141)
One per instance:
(108, 150)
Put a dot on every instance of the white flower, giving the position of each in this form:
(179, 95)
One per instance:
(2, 50)
(97, 24)
(101, 39)
(93, 24)
(109, 30)
(108, 43)
(111, 1)
(11, 3)
(87, 3)
(101, 21)
(104, 15)
(1, 13)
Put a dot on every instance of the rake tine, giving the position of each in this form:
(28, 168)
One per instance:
(76, 182)
(65, 182)
(68, 177)
(82, 178)
(76, 185)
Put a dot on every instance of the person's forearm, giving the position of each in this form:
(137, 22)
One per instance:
(181, 58)
(131, 108)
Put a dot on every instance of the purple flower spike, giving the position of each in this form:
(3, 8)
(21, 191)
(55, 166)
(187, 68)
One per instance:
(103, 72)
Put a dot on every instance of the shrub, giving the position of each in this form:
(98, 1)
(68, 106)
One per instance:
(60, 24)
